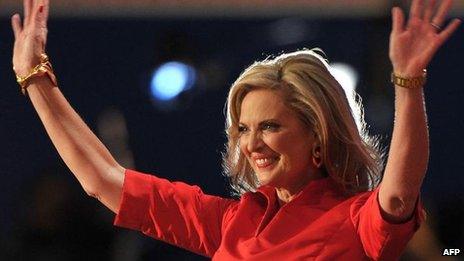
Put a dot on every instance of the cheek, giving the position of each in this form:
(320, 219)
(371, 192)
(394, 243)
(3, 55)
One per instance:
(293, 152)
(281, 144)
(242, 146)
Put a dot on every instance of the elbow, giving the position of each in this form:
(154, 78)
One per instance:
(92, 194)
(106, 182)
(399, 209)
(93, 190)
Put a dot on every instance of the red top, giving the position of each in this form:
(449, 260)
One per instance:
(318, 224)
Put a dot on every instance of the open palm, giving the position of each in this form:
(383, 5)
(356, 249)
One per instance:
(30, 35)
(413, 45)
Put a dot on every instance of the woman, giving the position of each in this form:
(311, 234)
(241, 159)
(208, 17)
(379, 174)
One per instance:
(294, 151)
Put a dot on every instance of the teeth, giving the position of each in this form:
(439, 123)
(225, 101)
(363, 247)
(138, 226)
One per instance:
(263, 162)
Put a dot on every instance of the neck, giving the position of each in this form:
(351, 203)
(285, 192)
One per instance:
(287, 193)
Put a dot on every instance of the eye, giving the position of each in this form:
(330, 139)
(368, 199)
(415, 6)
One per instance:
(270, 126)
(242, 129)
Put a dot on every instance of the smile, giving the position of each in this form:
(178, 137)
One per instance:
(264, 162)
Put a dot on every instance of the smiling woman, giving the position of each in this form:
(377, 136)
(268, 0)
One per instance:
(276, 143)
(308, 179)
(304, 92)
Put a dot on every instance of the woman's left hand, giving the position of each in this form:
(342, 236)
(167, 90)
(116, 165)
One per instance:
(30, 35)
(413, 45)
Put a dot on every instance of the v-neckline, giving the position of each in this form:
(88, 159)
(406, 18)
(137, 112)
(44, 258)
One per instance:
(311, 192)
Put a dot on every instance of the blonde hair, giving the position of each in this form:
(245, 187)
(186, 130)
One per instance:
(349, 155)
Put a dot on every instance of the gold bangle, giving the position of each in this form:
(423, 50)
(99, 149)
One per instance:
(43, 68)
(410, 83)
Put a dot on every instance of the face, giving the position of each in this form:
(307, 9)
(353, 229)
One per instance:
(275, 142)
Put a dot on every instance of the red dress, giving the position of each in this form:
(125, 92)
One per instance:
(318, 224)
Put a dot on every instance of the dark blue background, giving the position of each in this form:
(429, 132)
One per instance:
(105, 63)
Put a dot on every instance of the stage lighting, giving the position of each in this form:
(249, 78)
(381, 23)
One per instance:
(170, 79)
(346, 75)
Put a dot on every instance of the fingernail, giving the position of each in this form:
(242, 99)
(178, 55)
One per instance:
(41, 8)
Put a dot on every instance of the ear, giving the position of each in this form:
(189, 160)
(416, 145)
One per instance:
(316, 144)
(316, 151)
(316, 155)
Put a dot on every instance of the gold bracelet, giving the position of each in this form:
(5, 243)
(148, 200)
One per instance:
(43, 68)
(410, 83)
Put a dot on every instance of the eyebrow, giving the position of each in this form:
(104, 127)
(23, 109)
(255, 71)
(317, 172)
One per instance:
(271, 120)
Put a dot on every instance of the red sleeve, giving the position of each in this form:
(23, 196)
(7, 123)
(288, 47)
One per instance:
(382, 240)
(174, 212)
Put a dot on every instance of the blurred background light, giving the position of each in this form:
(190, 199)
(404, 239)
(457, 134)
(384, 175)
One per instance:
(170, 79)
(182, 115)
(347, 76)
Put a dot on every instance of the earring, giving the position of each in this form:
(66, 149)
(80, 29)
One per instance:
(317, 156)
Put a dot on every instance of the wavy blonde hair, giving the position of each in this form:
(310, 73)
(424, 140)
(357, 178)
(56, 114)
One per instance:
(349, 155)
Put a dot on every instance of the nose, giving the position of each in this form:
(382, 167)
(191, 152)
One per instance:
(254, 142)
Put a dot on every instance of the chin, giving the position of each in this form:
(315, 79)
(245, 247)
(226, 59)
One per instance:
(268, 177)
(266, 180)
(263, 180)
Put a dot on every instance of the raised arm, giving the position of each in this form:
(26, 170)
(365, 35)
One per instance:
(88, 159)
(412, 46)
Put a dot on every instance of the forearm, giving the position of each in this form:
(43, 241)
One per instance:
(87, 158)
(408, 155)
(413, 43)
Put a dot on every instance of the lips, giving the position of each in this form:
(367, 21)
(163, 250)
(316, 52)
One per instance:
(264, 162)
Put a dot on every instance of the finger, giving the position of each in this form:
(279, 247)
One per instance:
(449, 30)
(46, 9)
(416, 8)
(44, 15)
(397, 20)
(35, 4)
(442, 12)
(33, 11)
(429, 10)
(27, 6)
(16, 25)
(37, 13)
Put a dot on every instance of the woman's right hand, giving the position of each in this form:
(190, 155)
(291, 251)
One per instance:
(30, 35)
